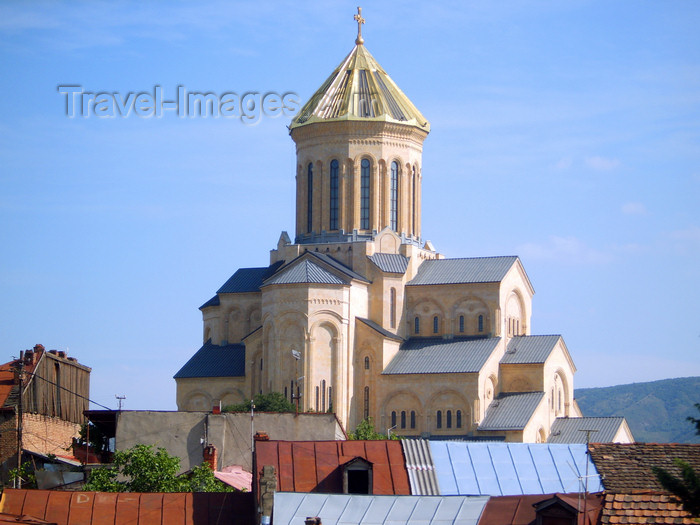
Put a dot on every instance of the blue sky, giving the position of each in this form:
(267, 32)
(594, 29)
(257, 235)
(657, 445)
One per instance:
(567, 133)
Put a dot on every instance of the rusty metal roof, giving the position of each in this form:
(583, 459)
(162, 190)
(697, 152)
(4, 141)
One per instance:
(315, 466)
(520, 510)
(7, 378)
(103, 508)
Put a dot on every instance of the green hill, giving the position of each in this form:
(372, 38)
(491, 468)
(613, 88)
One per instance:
(656, 411)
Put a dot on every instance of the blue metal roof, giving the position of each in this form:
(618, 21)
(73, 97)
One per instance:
(511, 411)
(442, 356)
(511, 469)
(293, 508)
(460, 271)
(215, 361)
(529, 349)
(214, 301)
(248, 279)
(390, 262)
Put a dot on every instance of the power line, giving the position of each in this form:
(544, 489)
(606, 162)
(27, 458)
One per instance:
(70, 391)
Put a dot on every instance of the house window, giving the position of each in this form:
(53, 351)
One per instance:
(392, 307)
(436, 324)
(459, 419)
(394, 205)
(416, 325)
(449, 419)
(366, 404)
(439, 419)
(461, 324)
(403, 419)
(364, 194)
(413, 419)
(357, 477)
(333, 224)
(366, 363)
(393, 418)
(481, 323)
(309, 197)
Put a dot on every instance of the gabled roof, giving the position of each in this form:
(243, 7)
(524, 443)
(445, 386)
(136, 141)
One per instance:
(390, 262)
(345, 509)
(530, 349)
(8, 388)
(315, 466)
(442, 356)
(111, 508)
(215, 361)
(248, 279)
(520, 510)
(511, 411)
(305, 272)
(377, 328)
(570, 429)
(628, 467)
(503, 469)
(461, 271)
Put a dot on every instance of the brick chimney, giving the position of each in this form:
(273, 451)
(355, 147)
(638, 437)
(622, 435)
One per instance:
(262, 436)
(209, 456)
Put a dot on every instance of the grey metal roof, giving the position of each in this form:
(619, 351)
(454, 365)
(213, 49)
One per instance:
(215, 361)
(529, 349)
(510, 469)
(378, 328)
(292, 508)
(569, 429)
(442, 356)
(214, 301)
(459, 271)
(248, 279)
(390, 262)
(305, 271)
(419, 464)
(511, 411)
(337, 265)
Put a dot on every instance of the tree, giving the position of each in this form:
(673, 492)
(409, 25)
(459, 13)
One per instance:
(143, 468)
(365, 432)
(272, 402)
(695, 421)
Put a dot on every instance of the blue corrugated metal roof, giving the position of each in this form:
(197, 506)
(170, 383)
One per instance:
(292, 508)
(511, 469)
(214, 301)
(529, 349)
(511, 411)
(570, 429)
(459, 271)
(442, 356)
(215, 361)
(390, 262)
(248, 279)
(377, 327)
(305, 271)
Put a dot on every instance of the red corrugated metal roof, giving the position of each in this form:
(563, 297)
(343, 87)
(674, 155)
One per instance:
(520, 510)
(102, 508)
(315, 466)
(7, 375)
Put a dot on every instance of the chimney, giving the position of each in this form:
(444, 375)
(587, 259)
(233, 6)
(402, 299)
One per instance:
(29, 357)
(312, 520)
(209, 455)
(53, 352)
(38, 348)
(61, 354)
(262, 436)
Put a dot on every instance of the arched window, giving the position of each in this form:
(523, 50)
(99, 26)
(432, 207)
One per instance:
(436, 324)
(309, 197)
(449, 419)
(364, 194)
(461, 324)
(439, 419)
(392, 307)
(413, 419)
(459, 419)
(481, 323)
(366, 404)
(323, 395)
(393, 418)
(416, 325)
(318, 400)
(413, 203)
(366, 363)
(333, 208)
(394, 205)
(403, 419)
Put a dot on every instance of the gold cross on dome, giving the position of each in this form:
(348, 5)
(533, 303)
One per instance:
(359, 40)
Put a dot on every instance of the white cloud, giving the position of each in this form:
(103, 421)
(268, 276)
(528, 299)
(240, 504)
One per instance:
(691, 234)
(564, 163)
(634, 208)
(602, 163)
(564, 249)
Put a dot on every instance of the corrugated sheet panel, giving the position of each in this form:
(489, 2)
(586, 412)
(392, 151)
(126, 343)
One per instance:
(215, 361)
(419, 464)
(214, 301)
(248, 279)
(442, 356)
(570, 429)
(506, 469)
(530, 349)
(305, 272)
(511, 411)
(347, 509)
(338, 266)
(379, 329)
(460, 271)
(390, 262)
